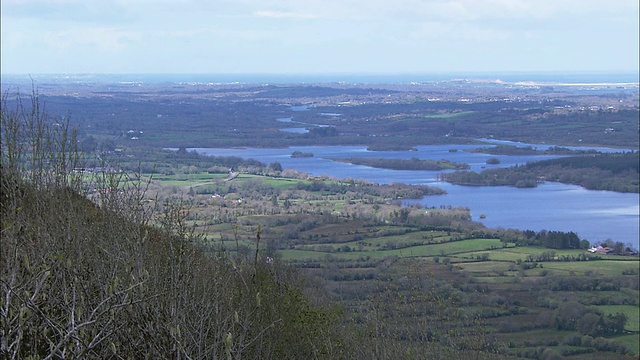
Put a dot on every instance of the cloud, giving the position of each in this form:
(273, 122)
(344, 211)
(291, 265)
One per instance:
(109, 39)
(441, 10)
(457, 33)
(342, 9)
(102, 39)
(284, 15)
(102, 12)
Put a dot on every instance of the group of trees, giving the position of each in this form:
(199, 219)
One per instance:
(492, 177)
(587, 320)
(553, 239)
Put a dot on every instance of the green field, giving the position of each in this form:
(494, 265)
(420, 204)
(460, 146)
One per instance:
(413, 251)
(198, 179)
(186, 180)
(632, 313)
(595, 268)
(630, 341)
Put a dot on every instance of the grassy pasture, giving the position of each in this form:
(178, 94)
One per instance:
(632, 342)
(497, 254)
(543, 335)
(485, 268)
(401, 240)
(525, 250)
(598, 356)
(276, 182)
(196, 179)
(600, 267)
(300, 255)
(448, 248)
(492, 280)
(414, 251)
(612, 265)
(632, 312)
(185, 180)
(520, 253)
(187, 177)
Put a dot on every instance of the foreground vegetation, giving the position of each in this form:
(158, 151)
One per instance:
(118, 278)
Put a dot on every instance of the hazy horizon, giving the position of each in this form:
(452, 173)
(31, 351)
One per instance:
(279, 78)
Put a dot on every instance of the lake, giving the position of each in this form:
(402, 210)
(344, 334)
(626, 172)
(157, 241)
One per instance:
(593, 215)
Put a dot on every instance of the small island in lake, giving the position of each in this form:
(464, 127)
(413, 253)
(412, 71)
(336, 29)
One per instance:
(391, 147)
(403, 164)
(530, 150)
(300, 154)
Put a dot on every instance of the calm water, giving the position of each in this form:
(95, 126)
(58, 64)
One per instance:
(594, 215)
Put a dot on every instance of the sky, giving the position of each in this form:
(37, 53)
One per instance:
(318, 36)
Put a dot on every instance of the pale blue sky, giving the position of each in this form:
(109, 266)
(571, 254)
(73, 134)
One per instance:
(318, 36)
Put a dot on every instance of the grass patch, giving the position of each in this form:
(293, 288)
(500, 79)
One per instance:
(542, 335)
(300, 255)
(631, 342)
(497, 254)
(443, 249)
(530, 250)
(401, 241)
(596, 267)
(186, 180)
(632, 312)
(196, 179)
(495, 279)
(276, 182)
(485, 268)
